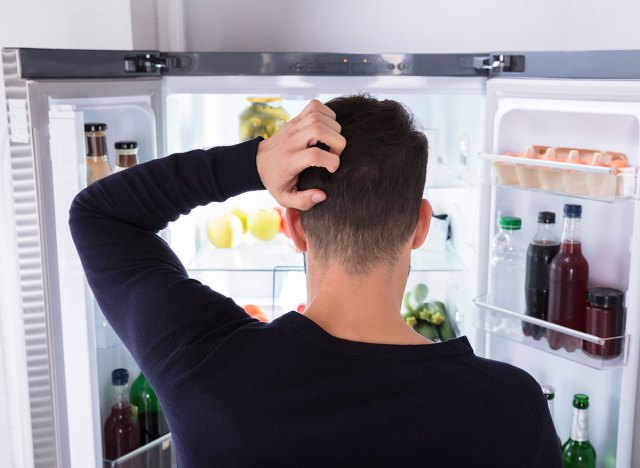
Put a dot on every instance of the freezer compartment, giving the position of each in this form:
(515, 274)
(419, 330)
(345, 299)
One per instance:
(603, 352)
(579, 180)
(156, 454)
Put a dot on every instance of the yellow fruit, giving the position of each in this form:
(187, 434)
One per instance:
(225, 231)
(242, 215)
(264, 224)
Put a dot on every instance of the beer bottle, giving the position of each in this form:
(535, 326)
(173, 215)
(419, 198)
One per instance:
(577, 451)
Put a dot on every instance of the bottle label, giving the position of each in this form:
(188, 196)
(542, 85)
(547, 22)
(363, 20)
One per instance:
(580, 425)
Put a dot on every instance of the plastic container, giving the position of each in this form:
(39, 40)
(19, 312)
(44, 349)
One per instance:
(507, 266)
(604, 318)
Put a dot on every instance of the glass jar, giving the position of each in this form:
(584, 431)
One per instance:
(97, 160)
(605, 319)
(263, 118)
(126, 155)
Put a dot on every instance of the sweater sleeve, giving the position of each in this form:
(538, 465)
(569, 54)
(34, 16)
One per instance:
(141, 286)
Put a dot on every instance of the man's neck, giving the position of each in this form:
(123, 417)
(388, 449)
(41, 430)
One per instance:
(362, 308)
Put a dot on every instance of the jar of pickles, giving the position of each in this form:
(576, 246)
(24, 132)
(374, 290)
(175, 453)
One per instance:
(263, 117)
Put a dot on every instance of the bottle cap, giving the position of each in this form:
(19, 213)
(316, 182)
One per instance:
(95, 127)
(127, 144)
(573, 211)
(609, 298)
(548, 391)
(580, 401)
(510, 223)
(547, 217)
(119, 376)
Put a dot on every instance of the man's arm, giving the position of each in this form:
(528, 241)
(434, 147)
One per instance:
(139, 283)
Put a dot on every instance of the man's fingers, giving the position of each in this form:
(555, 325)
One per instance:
(319, 132)
(316, 117)
(314, 157)
(316, 106)
(304, 200)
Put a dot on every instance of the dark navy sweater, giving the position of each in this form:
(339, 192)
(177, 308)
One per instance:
(241, 393)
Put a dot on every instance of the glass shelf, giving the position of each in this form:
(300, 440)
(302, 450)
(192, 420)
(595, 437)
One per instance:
(439, 176)
(156, 454)
(280, 254)
(576, 180)
(509, 324)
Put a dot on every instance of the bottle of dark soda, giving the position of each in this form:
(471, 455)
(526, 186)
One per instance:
(568, 280)
(544, 246)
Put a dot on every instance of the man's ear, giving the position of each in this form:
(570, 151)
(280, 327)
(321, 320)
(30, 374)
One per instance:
(296, 230)
(424, 221)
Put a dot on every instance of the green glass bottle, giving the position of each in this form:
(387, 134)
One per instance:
(577, 451)
(146, 407)
(550, 394)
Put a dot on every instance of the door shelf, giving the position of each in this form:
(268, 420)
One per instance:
(280, 254)
(156, 454)
(509, 324)
(577, 180)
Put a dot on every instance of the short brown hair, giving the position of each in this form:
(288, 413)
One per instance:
(373, 199)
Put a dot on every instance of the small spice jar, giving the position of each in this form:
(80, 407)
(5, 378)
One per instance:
(605, 319)
(97, 160)
(126, 155)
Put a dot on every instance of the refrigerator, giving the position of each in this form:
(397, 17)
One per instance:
(477, 110)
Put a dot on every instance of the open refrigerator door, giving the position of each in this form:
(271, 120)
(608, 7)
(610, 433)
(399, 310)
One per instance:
(533, 126)
(72, 351)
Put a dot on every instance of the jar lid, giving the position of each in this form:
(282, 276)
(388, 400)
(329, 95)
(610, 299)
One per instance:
(120, 376)
(609, 298)
(510, 223)
(573, 211)
(264, 99)
(547, 217)
(126, 144)
(95, 127)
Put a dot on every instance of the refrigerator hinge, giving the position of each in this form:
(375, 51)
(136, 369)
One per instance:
(496, 63)
(155, 63)
(144, 63)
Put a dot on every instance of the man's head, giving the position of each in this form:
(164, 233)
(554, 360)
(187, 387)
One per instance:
(374, 198)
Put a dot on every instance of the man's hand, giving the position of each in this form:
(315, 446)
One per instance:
(283, 156)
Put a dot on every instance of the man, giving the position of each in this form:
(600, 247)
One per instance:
(346, 384)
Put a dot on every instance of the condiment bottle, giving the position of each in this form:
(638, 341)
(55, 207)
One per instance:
(98, 165)
(604, 318)
(126, 155)
(568, 278)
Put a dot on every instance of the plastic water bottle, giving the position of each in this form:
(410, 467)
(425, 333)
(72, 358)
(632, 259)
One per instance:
(507, 267)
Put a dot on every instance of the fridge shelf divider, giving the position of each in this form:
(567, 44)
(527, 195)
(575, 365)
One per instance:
(507, 324)
(550, 164)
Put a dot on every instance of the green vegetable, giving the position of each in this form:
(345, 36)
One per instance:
(436, 313)
(427, 330)
(420, 292)
(411, 320)
(405, 303)
(446, 331)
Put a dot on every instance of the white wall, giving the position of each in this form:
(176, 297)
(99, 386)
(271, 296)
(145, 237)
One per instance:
(86, 24)
(410, 25)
